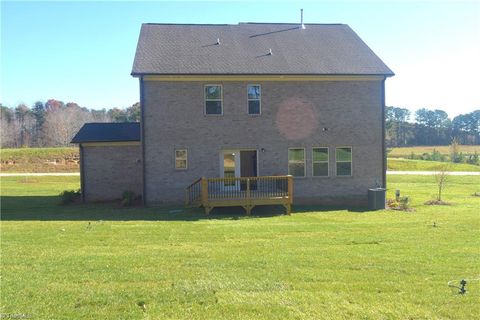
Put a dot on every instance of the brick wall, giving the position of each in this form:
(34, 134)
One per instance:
(293, 115)
(111, 170)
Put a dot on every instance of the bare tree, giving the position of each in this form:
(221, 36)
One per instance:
(441, 178)
(61, 124)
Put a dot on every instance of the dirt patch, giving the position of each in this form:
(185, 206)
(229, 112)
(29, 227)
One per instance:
(437, 203)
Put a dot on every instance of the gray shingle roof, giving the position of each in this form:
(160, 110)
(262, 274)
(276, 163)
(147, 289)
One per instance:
(319, 49)
(108, 132)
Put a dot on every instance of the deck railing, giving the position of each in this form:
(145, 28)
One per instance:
(244, 191)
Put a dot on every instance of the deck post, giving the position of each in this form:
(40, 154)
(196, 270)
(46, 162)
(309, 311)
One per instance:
(290, 188)
(248, 208)
(204, 194)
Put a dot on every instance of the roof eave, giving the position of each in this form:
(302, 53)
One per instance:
(142, 74)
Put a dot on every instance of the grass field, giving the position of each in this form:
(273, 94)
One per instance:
(39, 160)
(102, 262)
(445, 150)
(423, 165)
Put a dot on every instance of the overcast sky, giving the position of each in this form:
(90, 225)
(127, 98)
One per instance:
(83, 51)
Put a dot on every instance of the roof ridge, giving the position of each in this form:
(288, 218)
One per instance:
(238, 23)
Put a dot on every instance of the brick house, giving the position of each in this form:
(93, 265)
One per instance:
(254, 100)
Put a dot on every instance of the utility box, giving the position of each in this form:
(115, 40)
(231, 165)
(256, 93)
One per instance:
(376, 199)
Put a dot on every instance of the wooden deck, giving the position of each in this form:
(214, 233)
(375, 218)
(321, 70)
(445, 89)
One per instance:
(246, 192)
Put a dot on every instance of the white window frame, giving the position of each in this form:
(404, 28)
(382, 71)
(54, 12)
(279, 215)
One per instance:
(351, 161)
(304, 162)
(259, 101)
(205, 99)
(176, 158)
(316, 161)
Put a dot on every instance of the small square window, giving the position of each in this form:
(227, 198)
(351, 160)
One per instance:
(180, 159)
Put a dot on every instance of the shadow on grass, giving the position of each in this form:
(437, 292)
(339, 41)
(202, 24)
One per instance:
(47, 208)
(349, 208)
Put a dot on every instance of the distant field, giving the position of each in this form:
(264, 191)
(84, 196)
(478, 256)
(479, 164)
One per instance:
(404, 152)
(423, 165)
(40, 160)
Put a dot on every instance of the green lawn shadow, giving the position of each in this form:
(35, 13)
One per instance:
(47, 208)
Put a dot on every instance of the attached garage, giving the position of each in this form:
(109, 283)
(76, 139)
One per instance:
(110, 160)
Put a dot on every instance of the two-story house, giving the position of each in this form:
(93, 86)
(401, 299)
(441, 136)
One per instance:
(253, 100)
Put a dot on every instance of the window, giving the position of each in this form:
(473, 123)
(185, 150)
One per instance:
(296, 162)
(254, 97)
(213, 99)
(181, 159)
(343, 159)
(320, 162)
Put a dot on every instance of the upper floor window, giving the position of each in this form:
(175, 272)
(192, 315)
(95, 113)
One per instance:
(343, 159)
(320, 162)
(213, 99)
(254, 98)
(296, 162)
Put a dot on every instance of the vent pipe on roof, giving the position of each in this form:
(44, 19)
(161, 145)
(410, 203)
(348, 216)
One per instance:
(218, 41)
(301, 18)
(269, 52)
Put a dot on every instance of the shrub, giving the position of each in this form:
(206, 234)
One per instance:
(404, 203)
(69, 196)
(127, 198)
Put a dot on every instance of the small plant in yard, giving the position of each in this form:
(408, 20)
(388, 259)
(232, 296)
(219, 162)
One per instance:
(403, 204)
(127, 198)
(69, 196)
(476, 194)
(441, 178)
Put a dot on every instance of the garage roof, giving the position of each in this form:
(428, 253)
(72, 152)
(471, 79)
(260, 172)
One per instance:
(108, 132)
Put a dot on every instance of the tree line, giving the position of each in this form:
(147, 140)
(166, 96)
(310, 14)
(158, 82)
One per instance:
(430, 127)
(54, 123)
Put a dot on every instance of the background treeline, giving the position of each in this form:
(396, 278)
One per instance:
(430, 127)
(54, 123)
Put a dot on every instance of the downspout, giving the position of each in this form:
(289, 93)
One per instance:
(384, 150)
(142, 139)
(82, 173)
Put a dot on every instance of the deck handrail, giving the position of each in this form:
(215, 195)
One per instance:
(193, 193)
(240, 191)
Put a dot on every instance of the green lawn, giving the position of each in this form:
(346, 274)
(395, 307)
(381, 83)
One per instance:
(445, 150)
(100, 262)
(423, 165)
